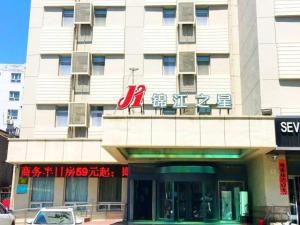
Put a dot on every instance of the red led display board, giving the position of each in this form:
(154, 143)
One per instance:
(101, 171)
(282, 177)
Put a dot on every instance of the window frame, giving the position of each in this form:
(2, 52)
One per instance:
(163, 64)
(204, 62)
(13, 79)
(94, 62)
(100, 15)
(10, 111)
(99, 110)
(60, 63)
(199, 15)
(67, 118)
(65, 190)
(12, 96)
(67, 15)
(166, 16)
(101, 185)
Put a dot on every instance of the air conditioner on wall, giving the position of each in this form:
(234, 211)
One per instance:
(81, 63)
(186, 12)
(83, 13)
(187, 84)
(187, 63)
(187, 33)
(78, 115)
(81, 84)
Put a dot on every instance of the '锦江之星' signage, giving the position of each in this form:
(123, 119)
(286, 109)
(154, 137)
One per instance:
(287, 131)
(101, 171)
(135, 94)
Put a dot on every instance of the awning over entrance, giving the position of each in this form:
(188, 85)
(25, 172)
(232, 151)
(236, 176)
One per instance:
(187, 137)
(182, 154)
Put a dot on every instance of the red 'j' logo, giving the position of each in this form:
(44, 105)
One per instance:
(133, 97)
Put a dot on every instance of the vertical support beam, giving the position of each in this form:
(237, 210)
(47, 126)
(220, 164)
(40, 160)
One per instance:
(59, 194)
(131, 201)
(153, 200)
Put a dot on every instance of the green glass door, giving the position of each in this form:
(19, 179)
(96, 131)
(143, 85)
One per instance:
(165, 201)
(186, 201)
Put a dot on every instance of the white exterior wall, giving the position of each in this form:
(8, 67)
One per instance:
(269, 56)
(5, 87)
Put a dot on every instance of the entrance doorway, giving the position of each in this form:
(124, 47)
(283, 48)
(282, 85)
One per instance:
(142, 200)
(294, 196)
(185, 201)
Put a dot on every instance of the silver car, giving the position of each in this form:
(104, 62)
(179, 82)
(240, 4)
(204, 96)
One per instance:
(6, 217)
(54, 216)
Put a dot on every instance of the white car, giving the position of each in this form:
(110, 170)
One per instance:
(54, 216)
(6, 218)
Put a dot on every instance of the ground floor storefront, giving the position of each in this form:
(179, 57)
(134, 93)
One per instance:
(187, 192)
(162, 170)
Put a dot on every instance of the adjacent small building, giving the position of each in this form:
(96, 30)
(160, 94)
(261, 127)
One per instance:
(11, 88)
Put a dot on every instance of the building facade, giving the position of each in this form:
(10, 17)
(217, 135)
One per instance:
(169, 105)
(11, 87)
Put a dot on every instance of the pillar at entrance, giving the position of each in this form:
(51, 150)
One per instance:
(264, 190)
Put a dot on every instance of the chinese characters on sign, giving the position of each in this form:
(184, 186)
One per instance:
(282, 177)
(103, 171)
(159, 101)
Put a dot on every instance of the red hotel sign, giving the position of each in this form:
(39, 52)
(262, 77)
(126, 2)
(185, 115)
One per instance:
(101, 171)
(133, 98)
(282, 177)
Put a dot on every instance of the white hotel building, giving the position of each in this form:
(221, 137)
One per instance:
(207, 163)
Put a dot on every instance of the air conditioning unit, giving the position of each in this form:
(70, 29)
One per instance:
(78, 116)
(83, 13)
(187, 33)
(81, 63)
(187, 84)
(187, 63)
(85, 34)
(81, 84)
(186, 12)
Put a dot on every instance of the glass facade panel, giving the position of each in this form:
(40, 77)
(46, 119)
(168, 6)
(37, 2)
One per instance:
(110, 190)
(76, 189)
(42, 189)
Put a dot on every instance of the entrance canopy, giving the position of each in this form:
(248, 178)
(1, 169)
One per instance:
(182, 154)
(138, 138)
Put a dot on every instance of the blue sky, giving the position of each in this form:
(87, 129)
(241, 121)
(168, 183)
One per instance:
(14, 19)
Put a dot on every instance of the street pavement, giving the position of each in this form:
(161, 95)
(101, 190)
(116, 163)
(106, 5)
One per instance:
(104, 222)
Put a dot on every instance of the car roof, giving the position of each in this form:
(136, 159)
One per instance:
(57, 210)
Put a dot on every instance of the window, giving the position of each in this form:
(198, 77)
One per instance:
(14, 96)
(110, 189)
(98, 65)
(61, 116)
(169, 65)
(203, 63)
(96, 116)
(12, 114)
(202, 16)
(68, 18)
(169, 16)
(76, 189)
(100, 17)
(64, 65)
(15, 78)
(43, 190)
